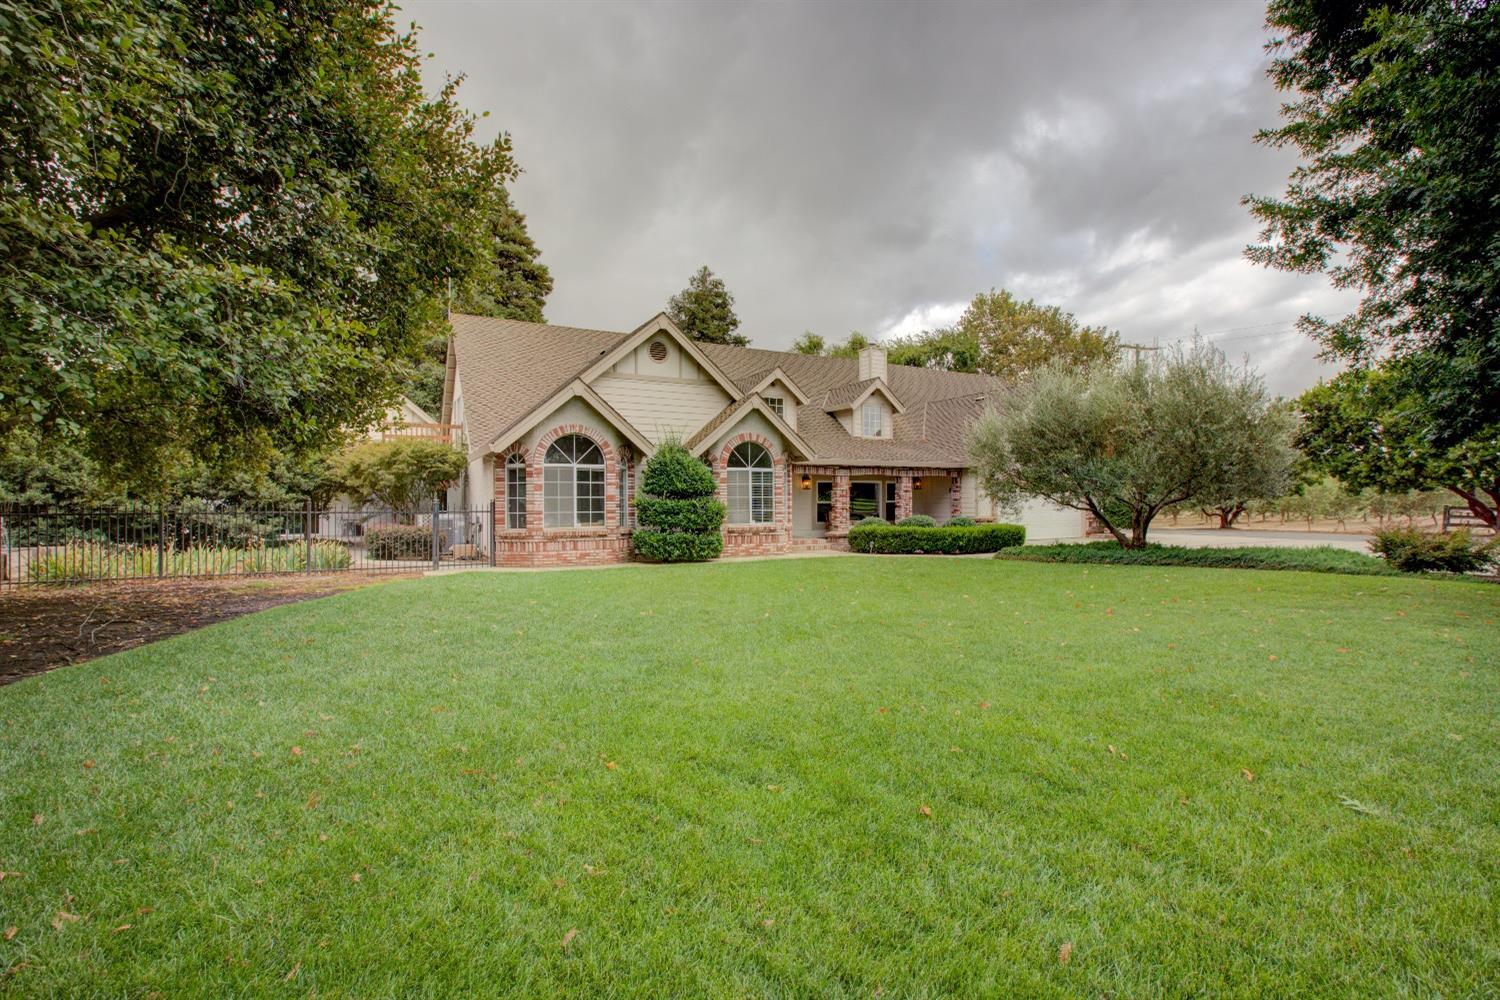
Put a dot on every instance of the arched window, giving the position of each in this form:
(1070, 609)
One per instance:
(573, 483)
(515, 492)
(751, 487)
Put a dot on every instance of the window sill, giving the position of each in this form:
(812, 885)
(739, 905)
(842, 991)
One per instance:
(599, 532)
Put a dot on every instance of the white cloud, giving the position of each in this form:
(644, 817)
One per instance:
(931, 316)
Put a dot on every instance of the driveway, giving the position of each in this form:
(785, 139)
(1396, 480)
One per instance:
(1213, 538)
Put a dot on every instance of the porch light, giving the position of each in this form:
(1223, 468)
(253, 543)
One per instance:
(806, 481)
(916, 483)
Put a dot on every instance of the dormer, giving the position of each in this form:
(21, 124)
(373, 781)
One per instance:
(866, 408)
(781, 394)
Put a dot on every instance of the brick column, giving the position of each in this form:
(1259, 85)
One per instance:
(903, 497)
(838, 515)
(955, 496)
(534, 493)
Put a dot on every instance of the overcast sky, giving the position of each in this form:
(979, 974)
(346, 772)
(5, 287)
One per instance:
(871, 166)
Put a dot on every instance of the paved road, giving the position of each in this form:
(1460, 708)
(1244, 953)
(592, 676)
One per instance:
(1234, 537)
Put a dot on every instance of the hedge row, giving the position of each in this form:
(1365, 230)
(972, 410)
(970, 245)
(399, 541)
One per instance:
(402, 541)
(676, 546)
(1323, 559)
(889, 539)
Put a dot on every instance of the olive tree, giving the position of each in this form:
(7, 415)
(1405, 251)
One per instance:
(1124, 442)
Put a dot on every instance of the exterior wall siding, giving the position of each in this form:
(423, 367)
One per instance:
(659, 407)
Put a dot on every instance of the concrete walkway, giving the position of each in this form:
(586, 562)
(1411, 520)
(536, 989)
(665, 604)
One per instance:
(1214, 538)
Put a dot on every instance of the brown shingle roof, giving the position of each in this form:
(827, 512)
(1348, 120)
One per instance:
(508, 367)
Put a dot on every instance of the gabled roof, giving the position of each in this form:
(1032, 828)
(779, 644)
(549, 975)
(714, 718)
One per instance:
(576, 389)
(847, 397)
(660, 323)
(761, 380)
(732, 413)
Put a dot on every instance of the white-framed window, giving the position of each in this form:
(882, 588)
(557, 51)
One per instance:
(515, 492)
(624, 494)
(573, 484)
(777, 405)
(871, 419)
(751, 485)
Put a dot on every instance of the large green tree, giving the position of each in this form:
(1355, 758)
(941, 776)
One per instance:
(948, 349)
(1016, 338)
(704, 310)
(1123, 442)
(1367, 428)
(226, 226)
(1394, 106)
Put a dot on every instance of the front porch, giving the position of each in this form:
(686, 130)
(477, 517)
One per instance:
(827, 499)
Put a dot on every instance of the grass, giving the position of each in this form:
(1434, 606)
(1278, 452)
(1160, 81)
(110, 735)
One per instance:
(1319, 559)
(824, 777)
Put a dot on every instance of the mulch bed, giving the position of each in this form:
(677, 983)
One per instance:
(44, 628)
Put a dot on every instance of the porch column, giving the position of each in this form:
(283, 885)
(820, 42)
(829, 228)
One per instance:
(838, 516)
(903, 497)
(956, 495)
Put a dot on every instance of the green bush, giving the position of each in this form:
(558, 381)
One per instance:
(869, 520)
(402, 541)
(889, 539)
(676, 508)
(1323, 559)
(677, 546)
(667, 514)
(1413, 551)
(917, 521)
(674, 473)
(83, 562)
(961, 521)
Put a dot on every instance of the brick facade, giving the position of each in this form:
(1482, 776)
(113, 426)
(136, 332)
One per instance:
(538, 545)
(757, 539)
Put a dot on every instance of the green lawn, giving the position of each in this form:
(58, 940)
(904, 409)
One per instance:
(831, 777)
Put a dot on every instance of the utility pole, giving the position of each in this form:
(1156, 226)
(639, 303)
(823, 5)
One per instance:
(1138, 348)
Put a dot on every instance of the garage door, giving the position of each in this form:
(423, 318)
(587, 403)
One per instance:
(1046, 523)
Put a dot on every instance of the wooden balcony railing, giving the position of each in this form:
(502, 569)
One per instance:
(428, 432)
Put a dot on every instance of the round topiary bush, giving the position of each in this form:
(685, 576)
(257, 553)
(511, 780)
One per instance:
(675, 507)
(872, 519)
(917, 521)
(961, 521)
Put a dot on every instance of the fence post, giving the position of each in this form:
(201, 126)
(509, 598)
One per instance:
(437, 550)
(493, 535)
(307, 535)
(161, 540)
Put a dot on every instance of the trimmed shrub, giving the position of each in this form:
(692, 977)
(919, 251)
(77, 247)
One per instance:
(872, 519)
(917, 521)
(898, 539)
(1413, 551)
(678, 513)
(402, 541)
(674, 473)
(1323, 559)
(961, 521)
(677, 546)
(667, 514)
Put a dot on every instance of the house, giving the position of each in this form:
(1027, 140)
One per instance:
(557, 421)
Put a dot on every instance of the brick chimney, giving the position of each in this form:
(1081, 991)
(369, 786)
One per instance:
(872, 363)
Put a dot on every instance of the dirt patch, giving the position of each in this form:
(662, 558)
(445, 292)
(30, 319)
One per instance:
(45, 628)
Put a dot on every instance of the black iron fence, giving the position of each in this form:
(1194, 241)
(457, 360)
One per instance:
(60, 547)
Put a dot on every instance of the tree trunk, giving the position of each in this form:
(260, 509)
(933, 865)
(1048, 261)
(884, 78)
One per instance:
(1486, 513)
(1228, 515)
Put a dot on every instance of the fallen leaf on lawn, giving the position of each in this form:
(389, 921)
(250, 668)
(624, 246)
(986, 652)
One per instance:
(883, 710)
(610, 764)
(293, 974)
(926, 810)
(1065, 953)
(5, 875)
(1273, 657)
(64, 917)
(143, 910)
(768, 922)
(773, 788)
(568, 937)
(10, 932)
(1112, 751)
(296, 751)
(37, 819)
(122, 927)
(88, 763)
(1249, 774)
(984, 704)
(354, 877)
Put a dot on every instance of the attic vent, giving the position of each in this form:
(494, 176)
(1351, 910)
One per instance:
(658, 351)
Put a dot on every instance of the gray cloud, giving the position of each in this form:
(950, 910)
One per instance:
(871, 167)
